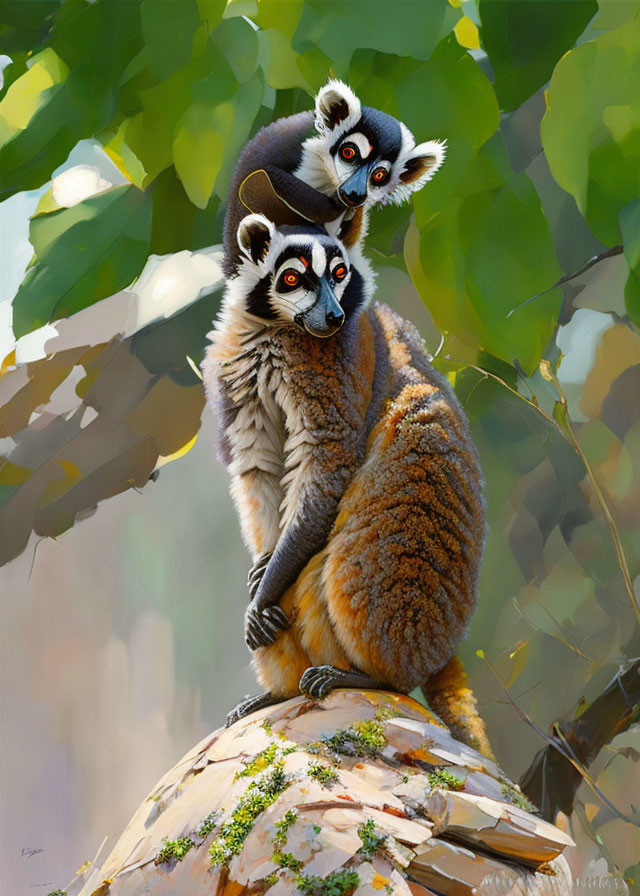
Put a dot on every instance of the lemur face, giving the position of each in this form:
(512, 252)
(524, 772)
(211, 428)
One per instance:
(375, 158)
(292, 275)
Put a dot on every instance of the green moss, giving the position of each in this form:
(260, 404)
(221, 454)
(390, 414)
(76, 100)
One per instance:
(287, 860)
(361, 739)
(405, 779)
(259, 795)
(208, 824)
(267, 727)
(316, 829)
(174, 849)
(289, 819)
(322, 773)
(339, 883)
(57, 893)
(271, 879)
(371, 840)
(517, 797)
(383, 713)
(263, 760)
(445, 780)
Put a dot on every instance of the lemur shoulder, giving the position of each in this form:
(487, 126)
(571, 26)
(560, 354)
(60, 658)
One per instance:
(356, 481)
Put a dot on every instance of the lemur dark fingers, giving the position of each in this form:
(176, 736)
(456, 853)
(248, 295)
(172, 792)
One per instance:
(256, 636)
(262, 627)
(318, 681)
(278, 615)
(249, 705)
(257, 572)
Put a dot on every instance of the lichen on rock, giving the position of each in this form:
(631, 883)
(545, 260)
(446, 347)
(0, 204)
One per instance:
(363, 793)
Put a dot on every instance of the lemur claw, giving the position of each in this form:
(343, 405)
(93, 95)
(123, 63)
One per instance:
(262, 626)
(318, 681)
(257, 571)
(249, 705)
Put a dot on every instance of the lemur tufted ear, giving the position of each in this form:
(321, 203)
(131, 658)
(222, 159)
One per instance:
(255, 233)
(421, 163)
(336, 106)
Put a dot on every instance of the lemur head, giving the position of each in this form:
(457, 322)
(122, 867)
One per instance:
(298, 275)
(369, 156)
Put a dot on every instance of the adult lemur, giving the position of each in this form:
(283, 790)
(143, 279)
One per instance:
(357, 484)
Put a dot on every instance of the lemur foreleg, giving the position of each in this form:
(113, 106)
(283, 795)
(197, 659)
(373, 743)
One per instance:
(304, 538)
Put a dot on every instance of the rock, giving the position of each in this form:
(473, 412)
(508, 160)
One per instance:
(364, 793)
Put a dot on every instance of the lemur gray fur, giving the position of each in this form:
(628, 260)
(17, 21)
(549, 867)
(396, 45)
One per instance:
(358, 157)
(358, 487)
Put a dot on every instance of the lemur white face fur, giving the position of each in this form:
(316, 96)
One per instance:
(293, 275)
(366, 156)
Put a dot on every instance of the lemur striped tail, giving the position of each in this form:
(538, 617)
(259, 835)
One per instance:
(450, 697)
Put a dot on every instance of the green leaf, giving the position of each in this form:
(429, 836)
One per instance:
(591, 131)
(168, 27)
(151, 134)
(95, 41)
(338, 28)
(486, 252)
(211, 133)
(239, 42)
(630, 227)
(83, 254)
(30, 92)
(525, 40)
(22, 33)
(283, 66)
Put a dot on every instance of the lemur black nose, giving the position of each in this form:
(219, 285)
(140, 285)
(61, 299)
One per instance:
(334, 319)
(352, 199)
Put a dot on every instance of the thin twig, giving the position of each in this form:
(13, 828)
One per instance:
(608, 253)
(567, 433)
(599, 494)
(559, 744)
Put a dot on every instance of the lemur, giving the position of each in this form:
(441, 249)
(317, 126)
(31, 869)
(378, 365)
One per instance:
(358, 157)
(357, 484)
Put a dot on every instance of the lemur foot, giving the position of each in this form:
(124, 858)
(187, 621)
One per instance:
(318, 681)
(249, 705)
(262, 627)
(257, 571)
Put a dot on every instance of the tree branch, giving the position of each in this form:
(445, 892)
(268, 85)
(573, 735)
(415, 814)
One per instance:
(551, 782)
(608, 253)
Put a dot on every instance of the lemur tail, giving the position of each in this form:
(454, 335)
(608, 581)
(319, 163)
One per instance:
(450, 697)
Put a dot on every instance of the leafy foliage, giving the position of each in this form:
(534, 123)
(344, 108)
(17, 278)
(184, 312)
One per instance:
(127, 116)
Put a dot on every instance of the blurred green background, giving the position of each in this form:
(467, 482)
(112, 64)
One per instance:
(120, 121)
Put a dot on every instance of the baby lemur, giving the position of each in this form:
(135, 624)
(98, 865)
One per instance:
(356, 481)
(358, 157)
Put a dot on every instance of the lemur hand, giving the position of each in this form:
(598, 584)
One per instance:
(257, 572)
(263, 625)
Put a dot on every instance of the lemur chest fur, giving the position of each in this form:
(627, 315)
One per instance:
(295, 406)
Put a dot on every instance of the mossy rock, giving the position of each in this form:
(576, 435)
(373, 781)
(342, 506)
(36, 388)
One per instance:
(401, 808)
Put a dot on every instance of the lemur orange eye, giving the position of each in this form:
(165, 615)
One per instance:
(348, 152)
(380, 175)
(291, 277)
(340, 272)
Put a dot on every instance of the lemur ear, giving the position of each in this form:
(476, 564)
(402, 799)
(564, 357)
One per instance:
(336, 106)
(422, 162)
(255, 233)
